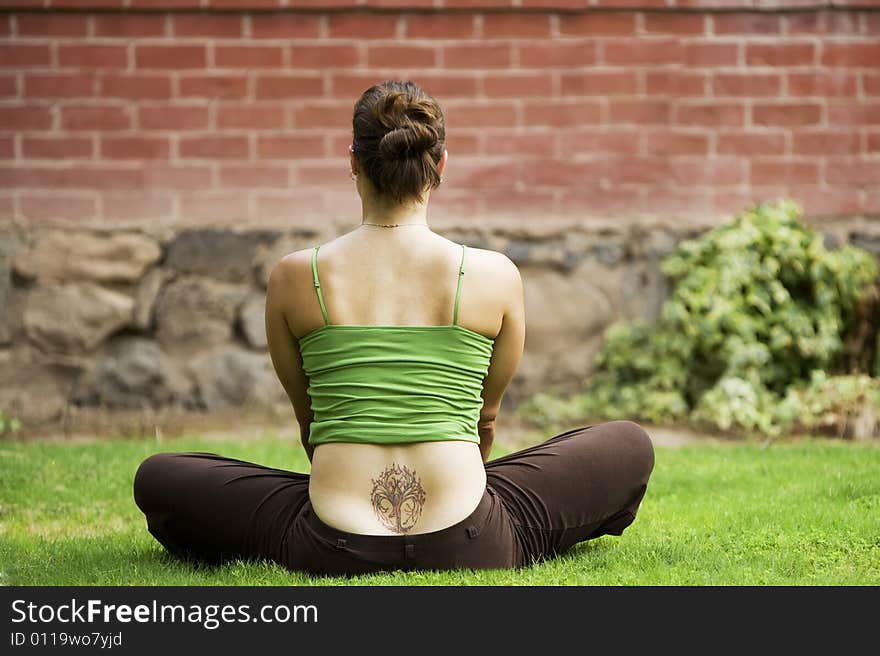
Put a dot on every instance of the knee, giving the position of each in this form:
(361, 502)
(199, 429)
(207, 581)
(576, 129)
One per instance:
(638, 446)
(147, 478)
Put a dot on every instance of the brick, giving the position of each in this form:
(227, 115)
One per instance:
(871, 82)
(226, 85)
(676, 83)
(49, 24)
(59, 86)
(541, 144)
(214, 147)
(822, 83)
(710, 54)
(749, 143)
(8, 86)
(25, 118)
(651, 52)
(444, 85)
(246, 4)
(323, 56)
(463, 143)
(477, 173)
(129, 25)
(597, 24)
(248, 56)
(427, 4)
(323, 115)
(288, 146)
(92, 56)
(736, 23)
(638, 169)
(170, 57)
(850, 54)
(322, 173)
(642, 112)
(482, 55)
(874, 142)
(838, 23)
(227, 26)
(559, 173)
(518, 204)
(440, 26)
(39, 207)
(599, 140)
(708, 171)
(401, 56)
(76, 176)
(672, 23)
(259, 175)
(780, 54)
(478, 4)
(559, 53)
(517, 85)
(154, 87)
(21, 56)
(786, 114)
(783, 171)
(135, 147)
(720, 114)
(516, 25)
(285, 26)
(477, 114)
(676, 143)
(88, 117)
(831, 142)
(274, 87)
(136, 205)
(853, 112)
(162, 176)
(599, 83)
(209, 207)
(292, 202)
(164, 4)
(746, 84)
(555, 4)
(562, 114)
(260, 116)
(169, 117)
(361, 26)
(40, 147)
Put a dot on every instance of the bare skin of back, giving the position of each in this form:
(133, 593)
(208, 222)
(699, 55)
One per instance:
(388, 277)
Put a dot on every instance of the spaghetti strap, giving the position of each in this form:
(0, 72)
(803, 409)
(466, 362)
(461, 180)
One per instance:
(318, 284)
(458, 291)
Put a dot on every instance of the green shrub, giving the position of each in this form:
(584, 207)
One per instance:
(758, 305)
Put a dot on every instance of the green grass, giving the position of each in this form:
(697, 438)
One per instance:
(803, 513)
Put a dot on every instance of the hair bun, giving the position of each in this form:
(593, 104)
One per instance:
(410, 140)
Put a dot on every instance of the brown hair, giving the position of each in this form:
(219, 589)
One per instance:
(399, 137)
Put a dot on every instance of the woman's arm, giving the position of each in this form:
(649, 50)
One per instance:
(284, 350)
(506, 354)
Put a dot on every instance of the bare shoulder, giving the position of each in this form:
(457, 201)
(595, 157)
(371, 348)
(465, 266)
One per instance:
(292, 270)
(495, 266)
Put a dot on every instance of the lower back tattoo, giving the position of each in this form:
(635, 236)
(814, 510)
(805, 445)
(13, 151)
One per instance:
(398, 498)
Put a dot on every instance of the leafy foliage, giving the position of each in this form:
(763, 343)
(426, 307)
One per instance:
(758, 306)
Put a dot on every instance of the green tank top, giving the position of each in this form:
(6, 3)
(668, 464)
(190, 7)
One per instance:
(394, 384)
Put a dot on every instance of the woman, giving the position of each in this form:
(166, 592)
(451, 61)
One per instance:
(396, 346)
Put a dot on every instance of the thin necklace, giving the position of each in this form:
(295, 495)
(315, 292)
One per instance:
(393, 225)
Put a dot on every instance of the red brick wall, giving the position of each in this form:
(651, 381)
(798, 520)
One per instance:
(239, 111)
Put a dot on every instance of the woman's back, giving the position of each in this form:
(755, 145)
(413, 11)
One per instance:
(376, 281)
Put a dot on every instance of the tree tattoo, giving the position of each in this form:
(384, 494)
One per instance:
(398, 498)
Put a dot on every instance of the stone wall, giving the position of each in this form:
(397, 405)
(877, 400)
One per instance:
(143, 320)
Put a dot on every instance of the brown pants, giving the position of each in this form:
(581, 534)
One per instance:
(538, 503)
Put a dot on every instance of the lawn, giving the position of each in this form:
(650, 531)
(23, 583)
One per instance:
(794, 513)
